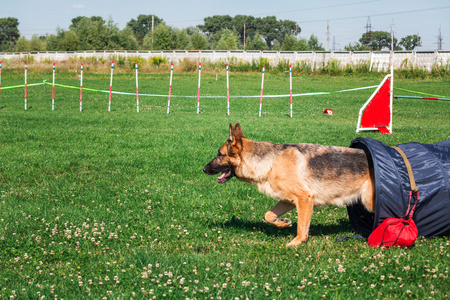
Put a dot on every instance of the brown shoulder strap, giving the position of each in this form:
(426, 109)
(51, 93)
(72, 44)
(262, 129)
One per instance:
(412, 182)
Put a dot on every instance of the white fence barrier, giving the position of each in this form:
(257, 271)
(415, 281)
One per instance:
(378, 60)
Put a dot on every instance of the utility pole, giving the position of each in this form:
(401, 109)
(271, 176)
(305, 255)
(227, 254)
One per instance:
(153, 22)
(328, 35)
(439, 42)
(368, 32)
(417, 42)
(334, 43)
(244, 36)
(392, 51)
(392, 35)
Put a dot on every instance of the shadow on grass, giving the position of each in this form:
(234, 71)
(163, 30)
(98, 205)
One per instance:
(342, 226)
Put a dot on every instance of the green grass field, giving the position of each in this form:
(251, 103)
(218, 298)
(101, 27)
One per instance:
(99, 204)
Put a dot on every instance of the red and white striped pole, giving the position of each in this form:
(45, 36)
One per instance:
(25, 85)
(0, 80)
(198, 93)
(137, 89)
(81, 88)
(262, 87)
(170, 88)
(110, 86)
(53, 88)
(228, 94)
(290, 86)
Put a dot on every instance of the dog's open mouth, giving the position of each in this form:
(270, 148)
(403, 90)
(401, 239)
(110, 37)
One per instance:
(225, 176)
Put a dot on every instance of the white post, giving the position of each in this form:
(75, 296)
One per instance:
(198, 94)
(170, 88)
(391, 89)
(137, 89)
(228, 94)
(25, 85)
(0, 80)
(262, 87)
(81, 88)
(110, 86)
(290, 86)
(53, 88)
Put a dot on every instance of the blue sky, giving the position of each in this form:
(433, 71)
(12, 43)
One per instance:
(347, 18)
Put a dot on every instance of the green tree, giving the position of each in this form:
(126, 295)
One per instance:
(227, 40)
(181, 39)
(276, 45)
(213, 25)
(68, 41)
(244, 25)
(9, 33)
(357, 47)
(51, 42)
(377, 40)
(91, 33)
(76, 21)
(272, 29)
(199, 41)
(161, 39)
(37, 43)
(410, 42)
(111, 36)
(256, 43)
(289, 43)
(314, 45)
(143, 25)
(22, 45)
(269, 27)
(127, 40)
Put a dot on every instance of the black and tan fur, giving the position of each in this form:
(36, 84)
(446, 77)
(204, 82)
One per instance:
(298, 175)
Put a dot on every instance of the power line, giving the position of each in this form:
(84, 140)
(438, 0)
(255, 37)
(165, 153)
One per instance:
(316, 8)
(378, 15)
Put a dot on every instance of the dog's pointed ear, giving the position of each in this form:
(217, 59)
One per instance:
(238, 134)
(231, 136)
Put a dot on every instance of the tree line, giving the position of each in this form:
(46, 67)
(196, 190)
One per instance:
(149, 32)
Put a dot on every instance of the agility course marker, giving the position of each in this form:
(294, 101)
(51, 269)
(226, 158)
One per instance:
(198, 93)
(290, 87)
(425, 94)
(262, 87)
(228, 94)
(110, 86)
(53, 88)
(137, 89)
(81, 88)
(426, 98)
(25, 85)
(170, 88)
(328, 111)
(376, 113)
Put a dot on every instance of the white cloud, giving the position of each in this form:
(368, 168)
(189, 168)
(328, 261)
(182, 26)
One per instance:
(78, 6)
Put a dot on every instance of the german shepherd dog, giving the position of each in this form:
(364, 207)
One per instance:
(298, 175)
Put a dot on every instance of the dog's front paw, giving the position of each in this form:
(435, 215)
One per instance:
(283, 222)
(280, 223)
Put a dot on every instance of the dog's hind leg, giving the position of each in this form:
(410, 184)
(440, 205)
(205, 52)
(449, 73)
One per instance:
(272, 216)
(305, 207)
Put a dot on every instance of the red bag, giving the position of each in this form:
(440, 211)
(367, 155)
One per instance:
(395, 231)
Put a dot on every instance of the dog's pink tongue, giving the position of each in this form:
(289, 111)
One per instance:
(222, 176)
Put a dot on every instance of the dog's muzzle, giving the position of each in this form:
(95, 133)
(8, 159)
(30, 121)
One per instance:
(226, 173)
